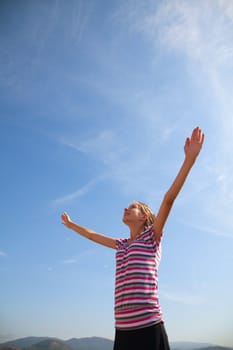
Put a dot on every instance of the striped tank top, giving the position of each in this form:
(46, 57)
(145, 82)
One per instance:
(136, 284)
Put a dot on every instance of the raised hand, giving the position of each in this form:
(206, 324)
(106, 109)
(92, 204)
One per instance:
(66, 220)
(88, 233)
(194, 144)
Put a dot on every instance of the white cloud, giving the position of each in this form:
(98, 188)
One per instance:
(104, 146)
(200, 32)
(74, 195)
(199, 29)
(124, 163)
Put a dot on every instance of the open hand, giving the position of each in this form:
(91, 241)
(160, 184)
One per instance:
(194, 144)
(66, 220)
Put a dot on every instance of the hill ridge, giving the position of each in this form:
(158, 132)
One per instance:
(90, 343)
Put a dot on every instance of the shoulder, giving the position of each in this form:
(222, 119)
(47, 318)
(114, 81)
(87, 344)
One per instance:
(149, 236)
(154, 234)
(121, 243)
(148, 233)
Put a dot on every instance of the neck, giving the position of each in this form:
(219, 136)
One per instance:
(136, 231)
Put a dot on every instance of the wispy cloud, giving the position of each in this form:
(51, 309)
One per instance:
(103, 145)
(79, 258)
(120, 164)
(52, 21)
(201, 33)
(68, 198)
(219, 231)
(69, 261)
(3, 254)
(80, 15)
(183, 27)
(183, 298)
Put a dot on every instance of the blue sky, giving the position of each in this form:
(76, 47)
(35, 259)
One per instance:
(96, 100)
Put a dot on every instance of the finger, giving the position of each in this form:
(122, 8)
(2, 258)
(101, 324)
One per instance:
(194, 133)
(197, 134)
(202, 138)
(187, 142)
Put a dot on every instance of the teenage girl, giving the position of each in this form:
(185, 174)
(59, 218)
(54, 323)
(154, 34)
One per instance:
(138, 317)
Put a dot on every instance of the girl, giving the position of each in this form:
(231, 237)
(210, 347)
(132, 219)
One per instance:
(138, 317)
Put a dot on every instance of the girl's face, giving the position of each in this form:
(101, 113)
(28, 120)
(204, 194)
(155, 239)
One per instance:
(133, 214)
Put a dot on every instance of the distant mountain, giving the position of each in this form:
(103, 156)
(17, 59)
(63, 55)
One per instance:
(45, 343)
(50, 344)
(93, 343)
(216, 347)
(185, 345)
(196, 346)
(9, 348)
(23, 342)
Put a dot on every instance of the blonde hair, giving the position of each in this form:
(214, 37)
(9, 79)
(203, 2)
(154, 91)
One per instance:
(148, 212)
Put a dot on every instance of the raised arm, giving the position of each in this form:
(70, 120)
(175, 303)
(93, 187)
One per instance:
(87, 233)
(192, 148)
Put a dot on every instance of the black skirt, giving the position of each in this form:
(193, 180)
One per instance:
(148, 338)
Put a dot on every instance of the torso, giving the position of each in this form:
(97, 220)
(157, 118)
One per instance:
(136, 286)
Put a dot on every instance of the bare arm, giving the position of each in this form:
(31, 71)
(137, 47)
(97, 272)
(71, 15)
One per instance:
(87, 233)
(192, 148)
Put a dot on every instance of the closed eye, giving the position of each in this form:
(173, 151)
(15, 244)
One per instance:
(132, 206)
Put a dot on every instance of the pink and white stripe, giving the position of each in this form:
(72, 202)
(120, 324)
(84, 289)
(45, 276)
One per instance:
(136, 286)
